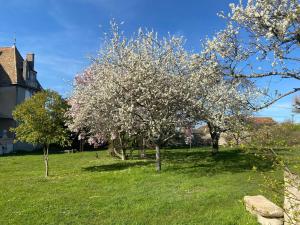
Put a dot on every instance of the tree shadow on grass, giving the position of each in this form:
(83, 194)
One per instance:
(32, 153)
(198, 161)
(23, 153)
(116, 166)
(202, 162)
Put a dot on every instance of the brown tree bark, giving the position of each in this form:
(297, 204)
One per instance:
(81, 145)
(215, 137)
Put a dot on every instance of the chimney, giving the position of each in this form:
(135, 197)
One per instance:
(30, 60)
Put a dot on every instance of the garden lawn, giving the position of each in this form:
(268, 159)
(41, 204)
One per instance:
(193, 188)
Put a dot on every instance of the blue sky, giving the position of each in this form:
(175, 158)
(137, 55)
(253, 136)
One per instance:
(64, 33)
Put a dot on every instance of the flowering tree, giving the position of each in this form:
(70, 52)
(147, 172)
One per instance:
(266, 33)
(149, 87)
(135, 87)
(262, 32)
(224, 108)
(222, 102)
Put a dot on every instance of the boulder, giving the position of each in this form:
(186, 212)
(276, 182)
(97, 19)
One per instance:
(259, 205)
(269, 221)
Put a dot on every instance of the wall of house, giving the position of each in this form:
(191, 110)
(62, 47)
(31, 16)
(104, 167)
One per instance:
(23, 94)
(21, 146)
(6, 137)
(10, 97)
(7, 101)
(20, 95)
(6, 124)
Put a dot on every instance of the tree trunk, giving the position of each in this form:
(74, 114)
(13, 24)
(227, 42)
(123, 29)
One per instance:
(116, 153)
(111, 148)
(81, 145)
(131, 153)
(123, 154)
(237, 140)
(143, 155)
(46, 159)
(158, 162)
(215, 137)
(143, 149)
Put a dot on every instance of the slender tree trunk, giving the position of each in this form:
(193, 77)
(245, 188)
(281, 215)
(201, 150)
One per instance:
(237, 141)
(114, 152)
(215, 137)
(111, 148)
(143, 153)
(123, 152)
(143, 149)
(131, 153)
(46, 159)
(81, 145)
(158, 162)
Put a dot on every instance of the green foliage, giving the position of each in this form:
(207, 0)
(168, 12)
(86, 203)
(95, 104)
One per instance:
(275, 136)
(279, 146)
(41, 118)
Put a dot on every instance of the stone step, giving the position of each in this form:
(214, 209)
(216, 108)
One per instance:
(269, 221)
(259, 205)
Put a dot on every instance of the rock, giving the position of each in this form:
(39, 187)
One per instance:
(269, 221)
(259, 205)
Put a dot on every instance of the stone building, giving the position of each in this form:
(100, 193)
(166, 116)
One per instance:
(18, 81)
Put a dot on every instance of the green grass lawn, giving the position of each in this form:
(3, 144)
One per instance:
(193, 188)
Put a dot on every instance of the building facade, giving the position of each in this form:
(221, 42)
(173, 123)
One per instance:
(18, 81)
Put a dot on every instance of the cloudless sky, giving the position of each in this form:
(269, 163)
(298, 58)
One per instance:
(65, 33)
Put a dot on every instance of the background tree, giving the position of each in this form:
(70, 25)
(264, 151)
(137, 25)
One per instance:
(261, 40)
(267, 34)
(41, 120)
(297, 104)
(222, 102)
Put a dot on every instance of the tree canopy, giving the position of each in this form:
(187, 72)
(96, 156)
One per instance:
(151, 86)
(41, 120)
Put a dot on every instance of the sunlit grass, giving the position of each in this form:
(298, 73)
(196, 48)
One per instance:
(193, 188)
